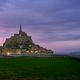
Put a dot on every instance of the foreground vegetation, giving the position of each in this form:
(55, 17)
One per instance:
(27, 68)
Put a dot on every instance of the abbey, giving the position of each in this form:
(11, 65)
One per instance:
(21, 43)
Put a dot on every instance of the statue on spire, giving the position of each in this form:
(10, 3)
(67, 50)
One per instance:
(20, 31)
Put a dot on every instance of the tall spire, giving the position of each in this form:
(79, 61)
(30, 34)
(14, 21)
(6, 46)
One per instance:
(20, 30)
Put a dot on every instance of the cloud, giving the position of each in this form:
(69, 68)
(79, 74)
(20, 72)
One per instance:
(46, 20)
(62, 46)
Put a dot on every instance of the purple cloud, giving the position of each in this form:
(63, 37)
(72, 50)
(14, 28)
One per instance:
(49, 21)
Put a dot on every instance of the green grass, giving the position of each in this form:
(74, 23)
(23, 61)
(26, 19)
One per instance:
(58, 68)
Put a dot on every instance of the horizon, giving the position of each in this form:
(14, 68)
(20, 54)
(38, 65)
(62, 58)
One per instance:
(53, 24)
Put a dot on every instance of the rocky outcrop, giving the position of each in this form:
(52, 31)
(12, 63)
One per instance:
(21, 43)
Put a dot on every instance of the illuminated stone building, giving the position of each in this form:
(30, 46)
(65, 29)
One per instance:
(21, 43)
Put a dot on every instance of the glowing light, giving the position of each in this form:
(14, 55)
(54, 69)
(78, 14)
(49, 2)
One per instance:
(8, 53)
(36, 51)
(27, 51)
(18, 52)
(32, 51)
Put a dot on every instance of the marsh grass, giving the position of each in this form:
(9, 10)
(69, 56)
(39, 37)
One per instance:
(25, 68)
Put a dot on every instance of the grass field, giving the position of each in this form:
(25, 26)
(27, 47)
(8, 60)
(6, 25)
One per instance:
(27, 68)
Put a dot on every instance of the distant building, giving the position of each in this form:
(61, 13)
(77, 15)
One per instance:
(21, 43)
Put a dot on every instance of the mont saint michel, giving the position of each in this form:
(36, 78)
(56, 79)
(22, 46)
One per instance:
(20, 44)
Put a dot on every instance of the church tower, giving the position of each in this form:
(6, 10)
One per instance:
(20, 30)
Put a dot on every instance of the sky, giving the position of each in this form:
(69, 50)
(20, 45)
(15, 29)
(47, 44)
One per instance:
(53, 24)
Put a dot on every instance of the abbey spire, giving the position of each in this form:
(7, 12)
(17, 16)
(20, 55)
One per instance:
(20, 30)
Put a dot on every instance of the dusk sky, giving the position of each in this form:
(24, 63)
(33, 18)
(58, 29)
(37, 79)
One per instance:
(53, 24)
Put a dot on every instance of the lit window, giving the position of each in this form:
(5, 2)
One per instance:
(8, 53)
(18, 52)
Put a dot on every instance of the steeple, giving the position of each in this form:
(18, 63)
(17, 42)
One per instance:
(20, 30)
